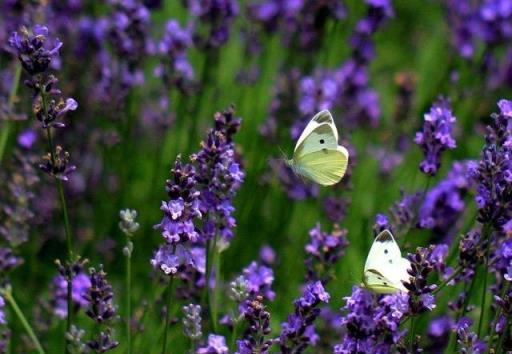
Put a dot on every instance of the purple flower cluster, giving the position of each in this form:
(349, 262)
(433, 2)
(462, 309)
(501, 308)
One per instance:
(372, 325)
(423, 262)
(173, 46)
(258, 320)
(101, 309)
(259, 280)
(302, 21)
(219, 176)
(444, 203)
(436, 136)
(36, 51)
(298, 332)
(59, 289)
(323, 251)
(493, 172)
(213, 20)
(177, 225)
(216, 345)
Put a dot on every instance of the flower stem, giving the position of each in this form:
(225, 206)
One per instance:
(129, 301)
(216, 289)
(484, 288)
(167, 314)
(4, 134)
(7, 293)
(449, 279)
(67, 228)
(411, 333)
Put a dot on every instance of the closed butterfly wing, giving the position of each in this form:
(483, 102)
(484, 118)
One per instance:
(385, 268)
(325, 167)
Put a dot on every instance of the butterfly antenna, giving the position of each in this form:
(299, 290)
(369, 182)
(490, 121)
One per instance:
(283, 154)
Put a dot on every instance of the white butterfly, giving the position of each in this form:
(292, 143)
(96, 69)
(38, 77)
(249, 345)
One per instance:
(317, 154)
(385, 268)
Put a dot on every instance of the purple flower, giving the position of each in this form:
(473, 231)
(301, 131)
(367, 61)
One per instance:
(297, 333)
(216, 345)
(27, 138)
(323, 251)
(493, 173)
(214, 19)
(258, 319)
(99, 297)
(423, 262)
(381, 224)
(468, 340)
(80, 286)
(372, 325)
(438, 332)
(219, 176)
(260, 279)
(267, 255)
(35, 49)
(436, 135)
(192, 321)
(177, 225)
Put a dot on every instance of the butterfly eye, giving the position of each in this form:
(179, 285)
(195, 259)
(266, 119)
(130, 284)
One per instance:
(322, 141)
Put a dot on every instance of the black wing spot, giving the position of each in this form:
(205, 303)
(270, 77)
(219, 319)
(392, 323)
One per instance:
(385, 251)
(324, 151)
(385, 283)
(322, 141)
(390, 261)
(379, 278)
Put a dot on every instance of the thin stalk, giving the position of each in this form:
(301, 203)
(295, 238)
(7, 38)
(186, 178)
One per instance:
(205, 299)
(7, 293)
(216, 289)
(129, 300)
(212, 299)
(67, 228)
(4, 134)
(449, 279)
(411, 332)
(499, 346)
(167, 314)
(484, 288)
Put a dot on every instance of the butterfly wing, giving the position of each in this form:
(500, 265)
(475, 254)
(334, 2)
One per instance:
(323, 128)
(385, 268)
(325, 167)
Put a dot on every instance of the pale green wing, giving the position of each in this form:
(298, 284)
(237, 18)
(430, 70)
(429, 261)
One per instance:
(385, 268)
(321, 136)
(325, 167)
(378, 283)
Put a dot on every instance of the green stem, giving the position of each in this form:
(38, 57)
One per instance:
(67, 228)
(411, 333)
(7, 293)
(484, 288)
(450, 278)
(167, 314)
(499, 346)
(4, 134)
(217, 288)
(129, 300)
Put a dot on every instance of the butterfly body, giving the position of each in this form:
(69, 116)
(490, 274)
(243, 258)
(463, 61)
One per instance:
(317, 155)
(385, 269)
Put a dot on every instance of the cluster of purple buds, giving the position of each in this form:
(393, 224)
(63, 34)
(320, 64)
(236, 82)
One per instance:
(436, 135)
(421, 298)
(298, 332)
(258, 327)
(36, 55)
(101, 309)
(213, 20)
(219, 176)
(493, 173)
(444, 203)
(323, 251)
(468, 340)
(471, 253)
(173, 49)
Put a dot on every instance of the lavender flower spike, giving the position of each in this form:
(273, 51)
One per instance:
(436, 135)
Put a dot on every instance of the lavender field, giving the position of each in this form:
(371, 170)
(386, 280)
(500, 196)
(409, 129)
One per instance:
(146, 205)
